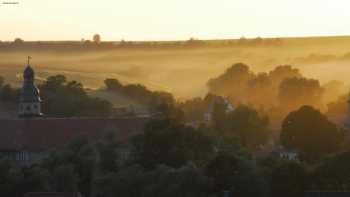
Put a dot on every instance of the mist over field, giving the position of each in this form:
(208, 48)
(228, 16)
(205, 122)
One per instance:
(180, 68)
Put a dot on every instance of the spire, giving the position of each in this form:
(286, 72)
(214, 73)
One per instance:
(29, 105)
(28, 61)
(28, 73)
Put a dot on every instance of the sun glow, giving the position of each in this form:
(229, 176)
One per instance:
(172, 19)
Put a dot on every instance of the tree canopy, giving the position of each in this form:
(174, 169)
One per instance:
(309, 132)
(64, 98)
(171, 144)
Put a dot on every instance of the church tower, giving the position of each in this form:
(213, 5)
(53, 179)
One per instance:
(30, 102)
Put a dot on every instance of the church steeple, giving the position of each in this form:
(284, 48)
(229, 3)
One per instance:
(29, 105)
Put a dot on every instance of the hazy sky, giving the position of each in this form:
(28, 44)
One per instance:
(171, 19)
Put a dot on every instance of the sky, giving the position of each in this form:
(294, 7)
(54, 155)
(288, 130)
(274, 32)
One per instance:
(171, 19)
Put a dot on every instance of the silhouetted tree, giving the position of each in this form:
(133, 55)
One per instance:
(235, 174)
(187, 181)
(9, 94)
(333, 173)
(18, 41)
(171, 144)
(113, 84)
(62, 98)
(250, 126)
(310, 133)
(97, 38)
(288, 176)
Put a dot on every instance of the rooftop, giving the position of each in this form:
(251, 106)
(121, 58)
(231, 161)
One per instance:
(40, 134)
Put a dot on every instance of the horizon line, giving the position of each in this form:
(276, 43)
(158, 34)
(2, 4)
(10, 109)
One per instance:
(183, 40)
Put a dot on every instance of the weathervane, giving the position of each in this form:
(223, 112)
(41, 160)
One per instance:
(29, 60)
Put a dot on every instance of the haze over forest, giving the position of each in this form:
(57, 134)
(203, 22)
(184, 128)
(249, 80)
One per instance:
(182, 68)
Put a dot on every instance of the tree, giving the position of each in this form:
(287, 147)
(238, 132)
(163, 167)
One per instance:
(55, 82)
(295, 92)
(241, 85)
(219, 116)
(155, 100)
(260, 90)
(9, 94)
(35, 179)
(18, 41)
(113, 85)
(339, 107)
(64, 98)
(72, 167)
(108, 155)
(187, 181)
(11, 177)
(250, 126)
(236, 174)
(288, 178)
(2, 80)
(333, 173)
(171, 112)
(282, 72)
(97, 38)
(64, 178)
(233, 82)
(332, 90)
(310, 133)
(164, 142)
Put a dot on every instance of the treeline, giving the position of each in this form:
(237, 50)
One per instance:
(153, 99)
(277, 92)
(97, 44)
(64, 98)
(284, 86)
(61, 98)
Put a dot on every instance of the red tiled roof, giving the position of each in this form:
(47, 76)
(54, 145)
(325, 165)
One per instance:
(42, 134)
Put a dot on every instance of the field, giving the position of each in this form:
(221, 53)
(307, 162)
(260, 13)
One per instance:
(180, 68)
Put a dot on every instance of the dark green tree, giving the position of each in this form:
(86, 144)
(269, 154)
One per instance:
(108, 154)
(333, 173)
(10, 178)
(76, 162)
(133, 181)
(9, 94)
(171, 144)
(250, 126)
(310, 133)
(62, 98)
(237, 174)
(288, 178)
